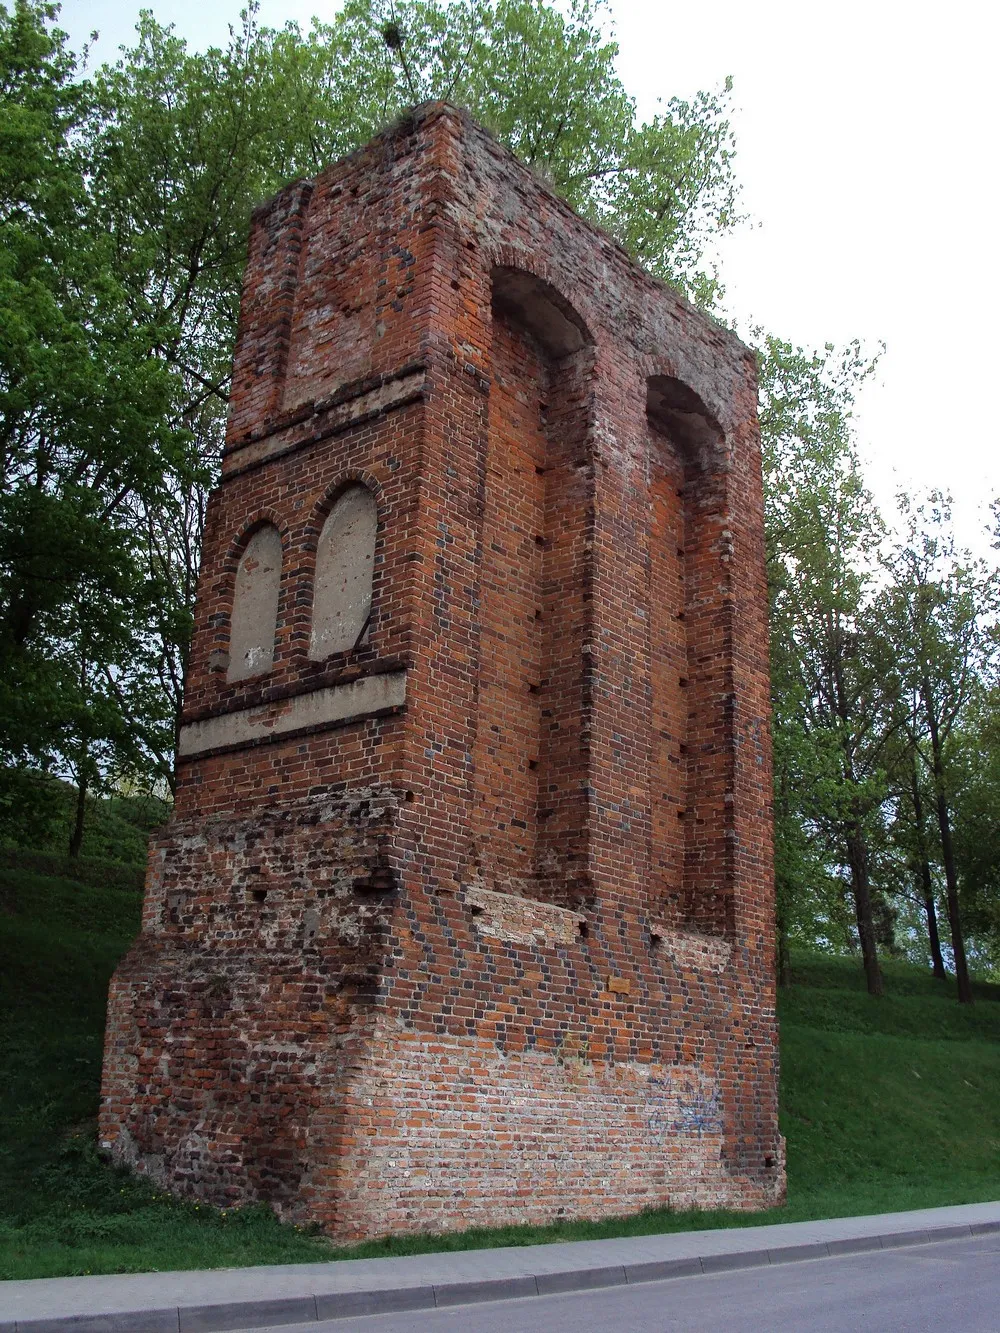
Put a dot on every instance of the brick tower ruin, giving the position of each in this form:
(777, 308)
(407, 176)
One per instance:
(464, 916)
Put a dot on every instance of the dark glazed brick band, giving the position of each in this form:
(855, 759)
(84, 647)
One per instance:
(502, 953)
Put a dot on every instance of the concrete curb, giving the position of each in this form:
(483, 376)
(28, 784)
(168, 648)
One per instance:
(234, 1315)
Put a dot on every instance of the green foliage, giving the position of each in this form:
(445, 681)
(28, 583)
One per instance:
(124, 208)
(938, 610)
(84, 426)
(973, 769)
(31, 808)
(879, 644)
(831, 723)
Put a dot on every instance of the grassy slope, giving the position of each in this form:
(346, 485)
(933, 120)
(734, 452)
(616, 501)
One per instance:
(37, 812)
(887, 1105)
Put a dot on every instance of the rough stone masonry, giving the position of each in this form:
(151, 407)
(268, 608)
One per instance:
(465, 913)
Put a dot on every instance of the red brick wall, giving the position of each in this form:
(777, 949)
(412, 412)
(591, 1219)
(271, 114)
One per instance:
(498, 948)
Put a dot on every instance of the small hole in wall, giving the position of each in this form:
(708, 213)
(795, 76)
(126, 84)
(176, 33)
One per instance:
(682, 681)
(476, 909)
(539, 539)
(680, 551)
(532, 763)
(680, 615)
(538, 613)
(539, 472)
(584, 930)
(768, 1163)
(680, 814)
(409, 796)
(655, 941)
(259, 895)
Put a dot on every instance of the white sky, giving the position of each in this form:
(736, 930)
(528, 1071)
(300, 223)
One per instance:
(867, 149)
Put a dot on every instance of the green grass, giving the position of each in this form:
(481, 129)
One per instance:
(887, 1105)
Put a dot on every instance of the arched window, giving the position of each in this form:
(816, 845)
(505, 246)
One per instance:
(345, 558)
(255, 605)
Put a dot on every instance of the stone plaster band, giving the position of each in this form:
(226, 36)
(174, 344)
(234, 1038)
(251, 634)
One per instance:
(336, 703)
(395, 392)
(505, 916)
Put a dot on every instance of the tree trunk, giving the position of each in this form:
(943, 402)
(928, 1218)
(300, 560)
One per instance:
(950, 874)
(857, 853)
(954, 915)
(938, 968)
(76, 838)
(926, 882)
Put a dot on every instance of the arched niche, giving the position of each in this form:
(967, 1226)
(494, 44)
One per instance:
(345, 560)
(675, 410)
(689, 651)
(534, 305)
(255, 605)
(530, 804)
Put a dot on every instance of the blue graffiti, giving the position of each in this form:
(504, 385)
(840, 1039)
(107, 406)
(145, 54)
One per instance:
(687, 1109)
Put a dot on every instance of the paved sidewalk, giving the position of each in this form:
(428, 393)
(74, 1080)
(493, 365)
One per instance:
(238, 1298)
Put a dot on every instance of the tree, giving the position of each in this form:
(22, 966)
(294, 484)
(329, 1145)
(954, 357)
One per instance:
(822, 532)
(974, 775)
(936, 609)
(84, 413)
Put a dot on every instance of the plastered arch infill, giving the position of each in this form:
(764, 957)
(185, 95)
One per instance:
(250, 524)
(344, 572)
(340, 483)
(254, 616)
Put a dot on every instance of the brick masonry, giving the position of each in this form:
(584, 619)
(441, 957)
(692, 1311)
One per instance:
(472, 922)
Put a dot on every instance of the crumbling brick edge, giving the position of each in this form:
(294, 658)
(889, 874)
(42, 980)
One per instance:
(427, 1296)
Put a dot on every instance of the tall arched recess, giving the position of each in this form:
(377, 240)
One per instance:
(689, 652)
(530, 760)
(345, 563)
(255, 605)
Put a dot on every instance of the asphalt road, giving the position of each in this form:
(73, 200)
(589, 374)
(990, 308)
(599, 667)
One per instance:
(952, 1286)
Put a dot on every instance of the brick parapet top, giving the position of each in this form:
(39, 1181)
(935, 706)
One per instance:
(425, 116)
